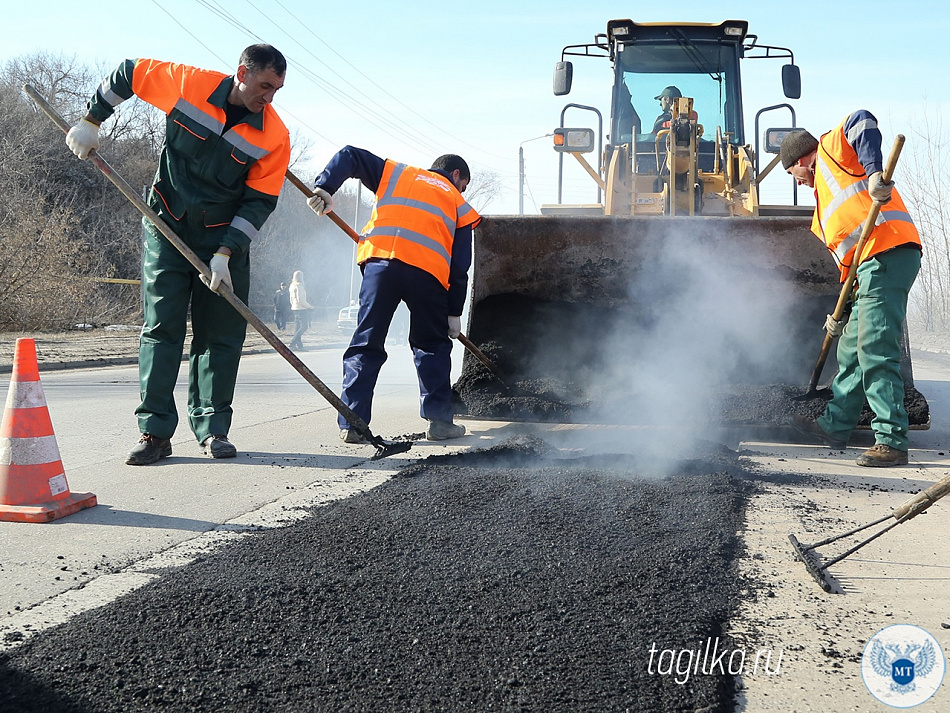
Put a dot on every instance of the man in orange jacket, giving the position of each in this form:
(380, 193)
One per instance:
(417, 249)
(222, 167)
(846, 170)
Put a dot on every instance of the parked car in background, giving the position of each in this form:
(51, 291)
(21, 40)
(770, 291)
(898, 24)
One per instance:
(346, 319)
(398, 330)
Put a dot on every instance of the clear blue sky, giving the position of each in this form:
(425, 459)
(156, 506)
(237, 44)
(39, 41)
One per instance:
(412, 80)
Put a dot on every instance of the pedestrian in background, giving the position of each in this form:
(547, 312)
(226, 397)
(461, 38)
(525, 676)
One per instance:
(281, 306)
(300, 308)
(221, 169)
(846, 170)
(417, 249)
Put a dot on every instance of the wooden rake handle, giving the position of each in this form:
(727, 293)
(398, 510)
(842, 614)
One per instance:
(341, 224)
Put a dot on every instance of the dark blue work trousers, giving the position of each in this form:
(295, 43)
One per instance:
(386, 283)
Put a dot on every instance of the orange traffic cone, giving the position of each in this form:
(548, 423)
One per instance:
(33, 484)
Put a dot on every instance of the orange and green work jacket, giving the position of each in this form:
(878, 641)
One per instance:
(414, 220)
(847, 155)
(229, 177)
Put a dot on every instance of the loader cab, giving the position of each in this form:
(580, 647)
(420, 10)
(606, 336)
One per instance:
(702, 164)
(700, 61)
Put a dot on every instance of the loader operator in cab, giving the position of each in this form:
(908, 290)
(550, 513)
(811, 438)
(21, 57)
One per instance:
(219, 174)
(845, 168)
(665, 98)
(417, 249)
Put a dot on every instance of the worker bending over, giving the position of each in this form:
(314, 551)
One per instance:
(846, 170)
(417, 249)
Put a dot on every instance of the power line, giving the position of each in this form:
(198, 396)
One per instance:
(409, 135)
(412, 136)
(342, 97)
(226, 63)
(378, 86)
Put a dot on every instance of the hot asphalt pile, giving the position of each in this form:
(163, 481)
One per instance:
(551, 400)
(507, 580)
(553, 358)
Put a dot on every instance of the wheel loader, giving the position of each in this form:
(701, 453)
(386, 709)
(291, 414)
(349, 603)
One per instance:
(678, 296)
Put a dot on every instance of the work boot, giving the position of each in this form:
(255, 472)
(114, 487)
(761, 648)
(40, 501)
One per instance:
(219, 447)
(809, 427)
(351, 435)
(444, 430)
(149, 449)
(882, 456)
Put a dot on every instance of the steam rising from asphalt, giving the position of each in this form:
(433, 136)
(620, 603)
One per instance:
(715, 320)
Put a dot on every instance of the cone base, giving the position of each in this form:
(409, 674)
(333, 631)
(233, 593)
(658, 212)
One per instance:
(47, 512)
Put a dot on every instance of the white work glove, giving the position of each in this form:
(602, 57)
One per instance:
(219, 272)
(880, 191)
(455, 327)
(321, 202)
(83, 138)
(835, 327)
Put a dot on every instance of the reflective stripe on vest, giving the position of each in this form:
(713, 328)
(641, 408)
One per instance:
(841, 188)
(186, 90)
(414, 220)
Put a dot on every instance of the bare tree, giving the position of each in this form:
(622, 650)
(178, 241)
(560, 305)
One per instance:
(63, 226)
(925, 184)
(485, 186)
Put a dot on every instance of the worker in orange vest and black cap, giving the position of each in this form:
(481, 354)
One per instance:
(417, 249)
(846, 170)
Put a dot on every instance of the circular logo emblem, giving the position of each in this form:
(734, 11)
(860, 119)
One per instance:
(902, 666)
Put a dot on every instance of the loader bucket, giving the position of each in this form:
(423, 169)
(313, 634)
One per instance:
(639, 320)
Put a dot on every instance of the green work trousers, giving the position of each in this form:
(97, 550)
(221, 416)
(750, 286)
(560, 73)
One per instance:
(218, 331)
(869, 351)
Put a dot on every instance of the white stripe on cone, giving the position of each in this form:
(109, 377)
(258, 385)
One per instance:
(25, 394)
(29, 451)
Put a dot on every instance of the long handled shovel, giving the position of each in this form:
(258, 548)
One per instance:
(354, 236)
(906, 511)
(848, 285)
(383, 448)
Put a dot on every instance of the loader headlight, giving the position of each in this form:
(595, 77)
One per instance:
(574, 140)
(774, 138)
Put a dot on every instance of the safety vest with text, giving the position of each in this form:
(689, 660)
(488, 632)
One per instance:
(841, 191)
(414, 220)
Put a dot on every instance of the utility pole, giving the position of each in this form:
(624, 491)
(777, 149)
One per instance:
(521, 171)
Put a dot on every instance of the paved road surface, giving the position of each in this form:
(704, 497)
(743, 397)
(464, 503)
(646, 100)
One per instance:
(152, 517)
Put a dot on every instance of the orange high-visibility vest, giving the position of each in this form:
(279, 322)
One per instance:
(414, 220)
(185, 90)
(841, 190)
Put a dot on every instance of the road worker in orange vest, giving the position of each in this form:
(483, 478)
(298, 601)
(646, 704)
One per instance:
(846, 170)
(221, 169)
(417, 249)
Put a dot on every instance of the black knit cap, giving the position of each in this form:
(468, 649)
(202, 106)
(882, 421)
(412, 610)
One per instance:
(796, 144)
